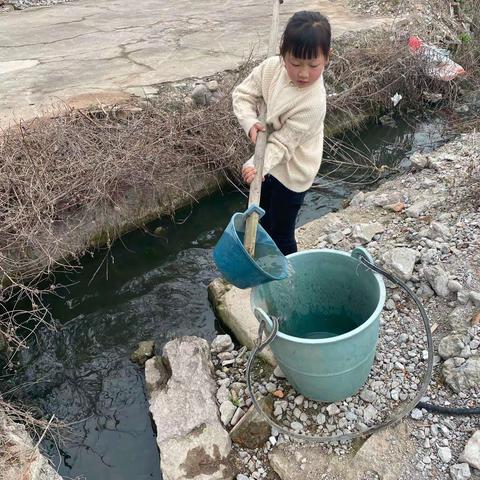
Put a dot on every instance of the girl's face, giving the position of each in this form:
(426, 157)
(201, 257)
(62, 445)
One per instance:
(304, 73)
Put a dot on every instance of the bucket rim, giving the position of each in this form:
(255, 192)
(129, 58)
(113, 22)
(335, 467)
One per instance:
(252, 261)
(345, 336)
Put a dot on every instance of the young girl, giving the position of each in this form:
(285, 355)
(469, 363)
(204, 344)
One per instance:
(292, 87)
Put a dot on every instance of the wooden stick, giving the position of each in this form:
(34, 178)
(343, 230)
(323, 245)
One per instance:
(260, 147)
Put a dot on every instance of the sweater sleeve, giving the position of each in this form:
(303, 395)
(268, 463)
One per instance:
(246, 98)
(296, 130)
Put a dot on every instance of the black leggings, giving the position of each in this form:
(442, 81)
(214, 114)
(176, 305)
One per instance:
(281, 207)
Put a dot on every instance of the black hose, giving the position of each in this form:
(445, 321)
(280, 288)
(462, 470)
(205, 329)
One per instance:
(429, 407)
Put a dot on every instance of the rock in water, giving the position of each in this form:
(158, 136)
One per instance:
(252, 431)
(144, 351)
(190, 436)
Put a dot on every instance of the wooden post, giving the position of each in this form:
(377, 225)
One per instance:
(260, 147)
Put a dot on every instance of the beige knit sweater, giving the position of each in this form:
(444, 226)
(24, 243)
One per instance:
(295, 118)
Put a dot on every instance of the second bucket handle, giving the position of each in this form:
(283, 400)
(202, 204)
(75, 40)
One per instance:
(265, 324)
(359, 252)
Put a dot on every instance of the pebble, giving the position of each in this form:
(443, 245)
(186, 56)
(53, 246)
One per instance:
(445, 454)
(460, 471)
(368, 396)
(332, 409)
(370, 413)
(239, 413)
(416, 414)
(320, 419)
(297, 426)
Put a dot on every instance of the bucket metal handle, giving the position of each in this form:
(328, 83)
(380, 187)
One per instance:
(361, 252)
(264, 322)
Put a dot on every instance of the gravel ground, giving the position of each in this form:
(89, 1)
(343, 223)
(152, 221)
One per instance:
(425, 227)
(385, 7)
(9, 5)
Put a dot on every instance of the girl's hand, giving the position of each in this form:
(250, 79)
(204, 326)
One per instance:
(258, 127)
(248, 174)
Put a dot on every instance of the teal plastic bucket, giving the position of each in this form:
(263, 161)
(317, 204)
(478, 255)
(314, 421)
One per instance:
(329, 315)
(235, 263)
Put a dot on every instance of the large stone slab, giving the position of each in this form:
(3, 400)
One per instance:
(232, 307)
(190, 436)
(57, 55)
(385, 454)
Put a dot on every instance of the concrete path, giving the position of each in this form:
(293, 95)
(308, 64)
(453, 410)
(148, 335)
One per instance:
(81, 52)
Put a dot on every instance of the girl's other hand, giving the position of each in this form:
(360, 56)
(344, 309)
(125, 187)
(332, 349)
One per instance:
(258, 127)
(248, 174)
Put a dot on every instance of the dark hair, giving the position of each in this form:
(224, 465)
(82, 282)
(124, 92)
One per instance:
(305, 34)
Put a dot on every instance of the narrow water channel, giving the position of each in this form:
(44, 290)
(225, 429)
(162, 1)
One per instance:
(150, 287)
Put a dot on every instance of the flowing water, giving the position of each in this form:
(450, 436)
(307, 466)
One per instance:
(147, 287)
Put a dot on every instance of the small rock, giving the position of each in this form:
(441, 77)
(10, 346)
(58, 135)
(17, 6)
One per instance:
(471, 454)
(278, 372)
(227, 410)
(222, 343)
(463, 296)
(252, 430)
(357, 199)
(278, 393)
(201, 95)
(332, 409)
(223, 394)
(144, 351)
(439, 230)
(335, 237)
(454, 286)
(368, 396)
(239, 413)
(416, 414)
(419, 161)
(383, 199)
(299, 400)
(271, 387)
(417, 209)
(438, 279)
(370, 413)
(364, 232)
(445, 454)
(452, 345)
(320, 418)
(460, 471)
(460, 374)
(297, 426)
(475, 298)
(401, 261)
(212, 85)
(390, 305)
(351, 416)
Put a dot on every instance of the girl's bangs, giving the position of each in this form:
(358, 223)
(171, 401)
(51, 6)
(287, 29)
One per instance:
(304, 44)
